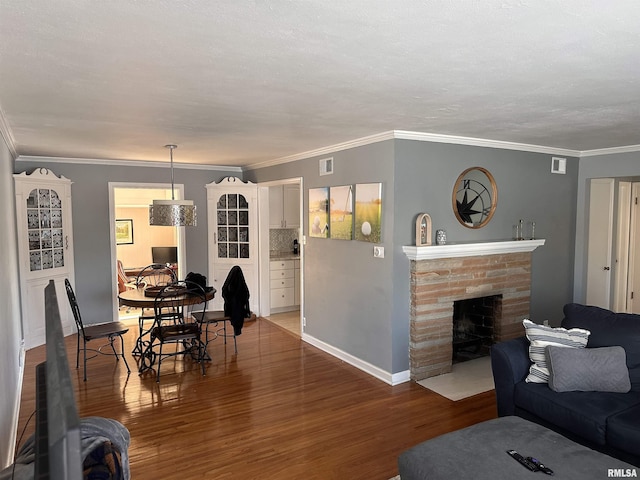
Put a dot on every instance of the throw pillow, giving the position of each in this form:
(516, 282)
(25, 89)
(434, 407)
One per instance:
(588, 369)
(541, 337)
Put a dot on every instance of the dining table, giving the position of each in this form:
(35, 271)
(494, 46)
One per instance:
(139, 298)
(146, 298)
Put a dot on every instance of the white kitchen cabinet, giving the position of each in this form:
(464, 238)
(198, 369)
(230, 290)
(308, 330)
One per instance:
(45, 248)
(282, 274)
(296, 285)
(284, 206)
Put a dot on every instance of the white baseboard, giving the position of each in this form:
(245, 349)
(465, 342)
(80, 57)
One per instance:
(389, 378)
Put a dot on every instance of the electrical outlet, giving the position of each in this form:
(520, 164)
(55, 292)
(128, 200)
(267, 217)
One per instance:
(304, 321)
(378, 252)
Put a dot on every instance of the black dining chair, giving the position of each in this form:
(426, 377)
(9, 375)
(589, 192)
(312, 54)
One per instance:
(174, 307)
(154, 276)
(109, 330)
(236, 309)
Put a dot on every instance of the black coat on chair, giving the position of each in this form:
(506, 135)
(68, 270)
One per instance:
(236, 299)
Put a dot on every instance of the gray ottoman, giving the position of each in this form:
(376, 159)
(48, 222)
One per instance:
(479, 452)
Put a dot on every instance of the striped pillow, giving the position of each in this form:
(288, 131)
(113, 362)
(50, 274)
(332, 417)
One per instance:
(541, 337)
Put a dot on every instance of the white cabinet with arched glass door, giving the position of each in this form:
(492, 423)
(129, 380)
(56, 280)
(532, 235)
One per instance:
(233, 235)
(45, 247)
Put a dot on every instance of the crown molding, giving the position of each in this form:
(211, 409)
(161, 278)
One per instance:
(126, 163)
(421, 137)
(5, 131)
(483, 142)
(358, 142)
(610, 151)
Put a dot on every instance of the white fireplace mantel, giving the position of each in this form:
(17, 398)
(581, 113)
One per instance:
(471, 249)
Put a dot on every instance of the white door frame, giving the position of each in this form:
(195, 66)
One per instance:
(179, 193)
(634, 260)
(263, 225)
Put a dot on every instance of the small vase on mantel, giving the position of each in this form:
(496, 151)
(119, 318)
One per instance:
(441, 237)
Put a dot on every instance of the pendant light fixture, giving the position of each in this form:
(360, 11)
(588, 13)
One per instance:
(172, 213)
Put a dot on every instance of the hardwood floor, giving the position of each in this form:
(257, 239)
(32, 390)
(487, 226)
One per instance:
(279, 409)
(290, 321)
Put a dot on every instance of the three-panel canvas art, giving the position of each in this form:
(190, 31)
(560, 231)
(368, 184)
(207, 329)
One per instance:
(346, 212)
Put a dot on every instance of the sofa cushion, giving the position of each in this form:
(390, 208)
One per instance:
(608, 329)
(540, 337)
(623, 430)
(601, 369)
(582, 413)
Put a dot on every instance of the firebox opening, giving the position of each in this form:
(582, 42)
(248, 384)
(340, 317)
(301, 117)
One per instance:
(473, 321)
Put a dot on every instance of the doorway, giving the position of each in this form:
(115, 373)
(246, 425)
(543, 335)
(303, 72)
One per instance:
(631, 293)
(281, 263)
(129, 206)
(623, 265)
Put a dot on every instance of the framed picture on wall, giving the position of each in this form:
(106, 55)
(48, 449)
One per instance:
(124, 231)
(368, 212)
(341, 212)
(319, 212)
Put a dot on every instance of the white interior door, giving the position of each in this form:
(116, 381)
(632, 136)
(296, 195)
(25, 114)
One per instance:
(633, 287)
(622, 247)
(600, 242)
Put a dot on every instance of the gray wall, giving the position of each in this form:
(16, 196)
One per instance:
(90, 203)
(354, 302)
(10, 317)
(348, 292)
(360, 304)
(601, 166)
(425, 175)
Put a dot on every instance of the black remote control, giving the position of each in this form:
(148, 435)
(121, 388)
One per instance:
(540, 466)
(523, 461)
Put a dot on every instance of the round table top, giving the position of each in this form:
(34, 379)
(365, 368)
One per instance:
(137, 298)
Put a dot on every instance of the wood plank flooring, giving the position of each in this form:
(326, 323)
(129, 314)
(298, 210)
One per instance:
(279, 409)
(290, 321)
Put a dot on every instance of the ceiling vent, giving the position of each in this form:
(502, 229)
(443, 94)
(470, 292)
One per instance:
(326, 166)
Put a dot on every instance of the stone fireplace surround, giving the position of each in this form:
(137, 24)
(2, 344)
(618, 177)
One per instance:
(442, 274)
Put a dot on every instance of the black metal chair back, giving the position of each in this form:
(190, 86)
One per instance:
(109, 330)
(75, 309)
(156, 275)
(173, 311)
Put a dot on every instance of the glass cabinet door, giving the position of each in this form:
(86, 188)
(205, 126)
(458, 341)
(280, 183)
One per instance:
(44, 229)
(232, 229)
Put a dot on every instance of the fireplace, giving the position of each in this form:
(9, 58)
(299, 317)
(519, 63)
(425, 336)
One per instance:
(442, 275)
(473, 321)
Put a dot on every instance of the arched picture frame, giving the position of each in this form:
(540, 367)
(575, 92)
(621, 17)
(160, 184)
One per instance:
(423, 230)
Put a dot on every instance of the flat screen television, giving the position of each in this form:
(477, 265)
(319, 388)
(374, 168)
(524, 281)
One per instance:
(57, 438)
(164, 255)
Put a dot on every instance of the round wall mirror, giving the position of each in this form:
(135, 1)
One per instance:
(475, 197)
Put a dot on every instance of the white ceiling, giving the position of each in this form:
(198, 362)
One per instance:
(239, 82)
